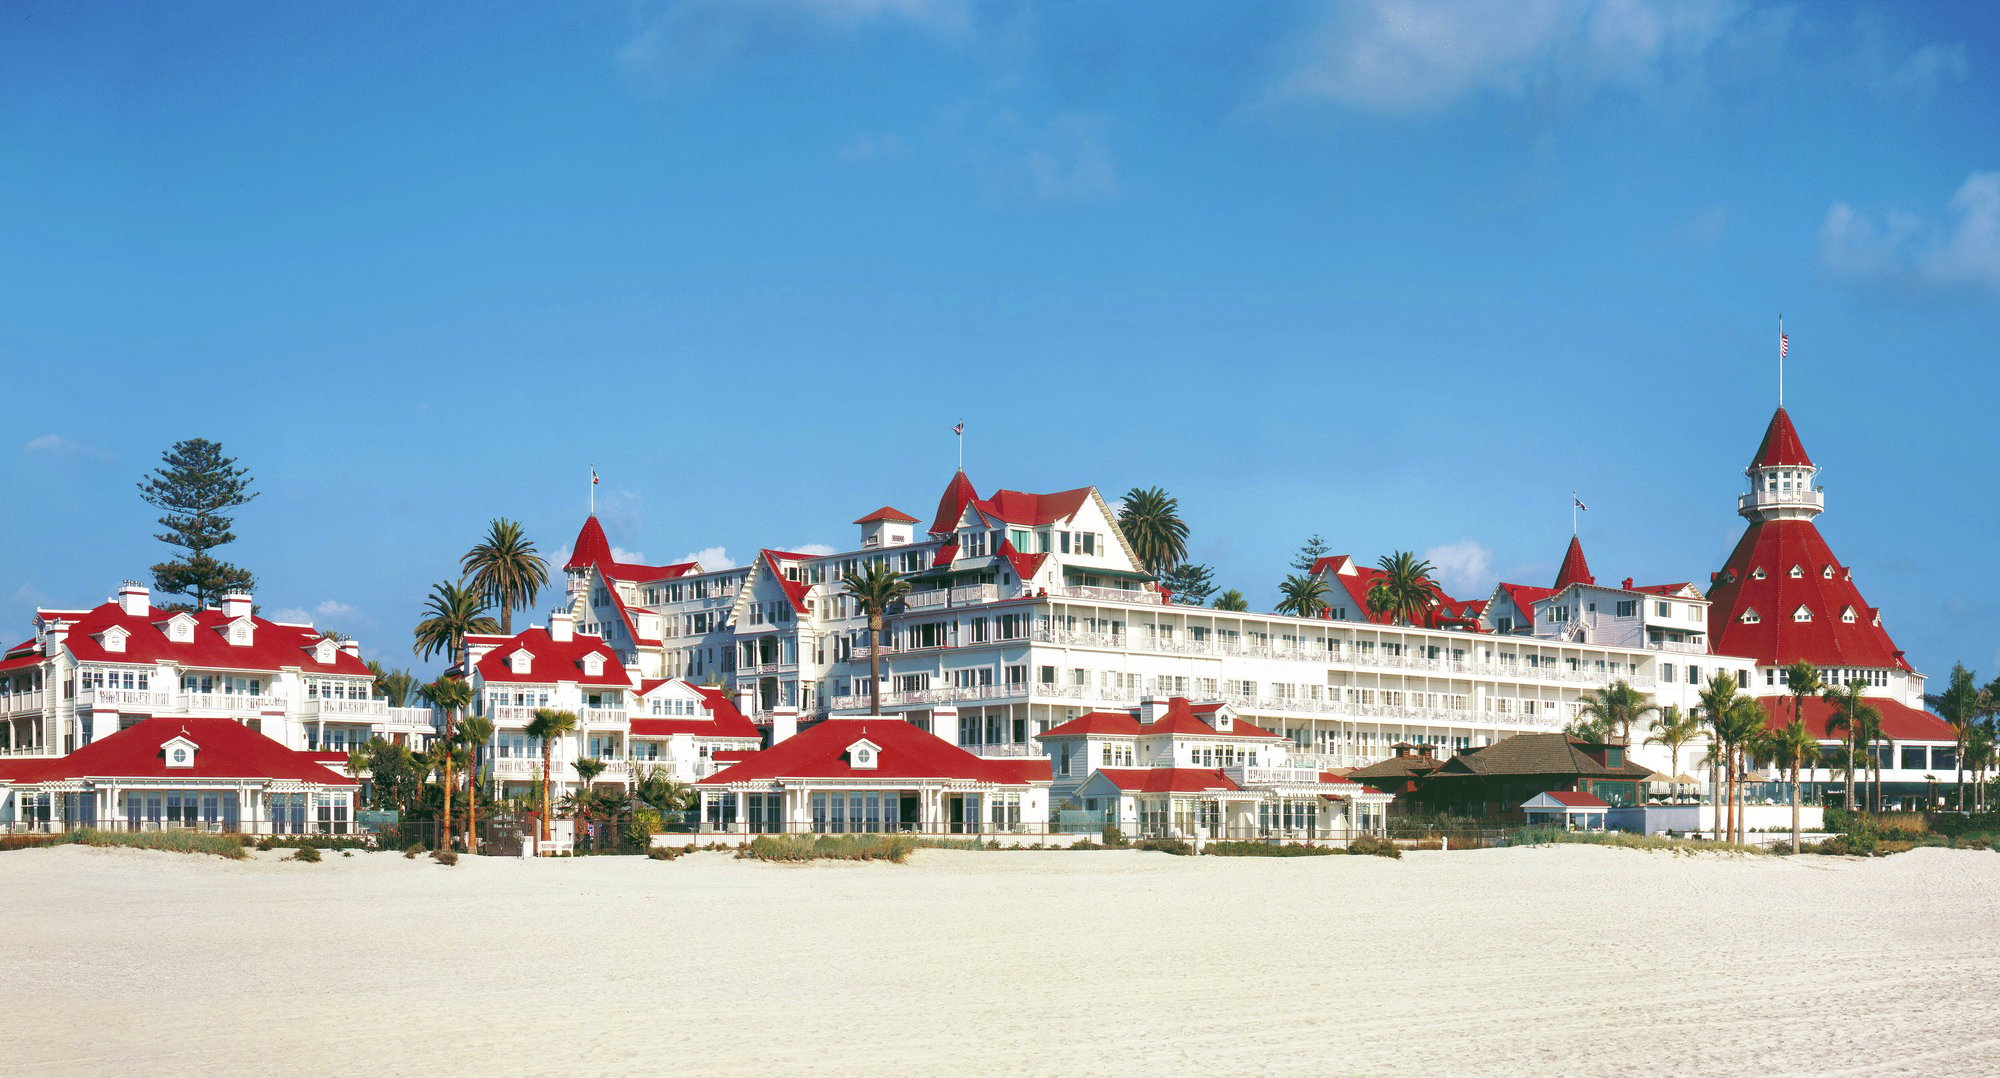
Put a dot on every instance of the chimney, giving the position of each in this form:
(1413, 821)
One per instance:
(562, 626)
(351, 647)
(1628, 583)
(944, 724)
(1151, 708)
(135, 599)
(236, 604)
(784, 724)
(746, 700)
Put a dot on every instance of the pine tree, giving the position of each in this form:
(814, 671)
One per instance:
(1310, 552)
(1191, 584)
(196, 486)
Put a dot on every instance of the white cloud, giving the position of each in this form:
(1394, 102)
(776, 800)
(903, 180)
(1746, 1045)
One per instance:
(329, 610)
(711, 558)
(690, 39)
(1464, 568)
(1074, 160)
(1957, 250)
(334, 608)
(63, 447)
(811, 550)
(293, 615)
(619, 553)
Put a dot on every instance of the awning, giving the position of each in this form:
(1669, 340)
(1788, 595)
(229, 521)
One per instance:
(1122, 574)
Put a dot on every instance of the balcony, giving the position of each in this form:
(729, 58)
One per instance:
(1107, 595)
(601, 716)
(1033, 752)
(123, 699)
(21, 703)
(233, 702)
(1273, 776)
(326, 710)
(1760, 500)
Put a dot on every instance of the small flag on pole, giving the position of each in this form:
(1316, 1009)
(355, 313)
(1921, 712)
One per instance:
(1784, 346)
(1579, 503)
(593, 475)
(959, 429)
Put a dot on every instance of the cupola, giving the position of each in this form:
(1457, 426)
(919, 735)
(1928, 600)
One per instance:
(1783, 479)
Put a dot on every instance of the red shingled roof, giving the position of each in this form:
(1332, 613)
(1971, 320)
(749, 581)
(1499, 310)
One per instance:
(1180, 719)
(272, 645)
(1575, 570)
(1900, 722)
(1016, 507)
(888, 513)
(592, 549)
(224, 749)
(795, 592)
(1776, 639)
(552, 661)
(1781, 445)
(957, 495)
(1444, 610)
(820, 752)
(723, 719)
(1168, 780)
(1573, 799)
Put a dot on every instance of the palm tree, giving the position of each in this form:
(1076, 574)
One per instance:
(1738, 729)
(1981, 749)
(655, 787)
(1303, 596)
(474, 731)
(549, 724)
(1851, 715)
(1868, 732)
(1232, 600)
(357, 762)
(1405, 589)
(394, 685)
(1802, 680)
(587, 770)
(1718, 698)
(1959, 705)
(1616, 707)
(505, 571)
(1792, 747)
(1673, 729)
(449, 695)
(453, 612)
(874, 587)
(1151, 521)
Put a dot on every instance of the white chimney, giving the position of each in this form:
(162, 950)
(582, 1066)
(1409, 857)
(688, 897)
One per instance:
(784, 724)
(746, 700)
(944, 724)
(135, 599)
(351, 647)
(562, 626)
(236, 604)
(1151, 708)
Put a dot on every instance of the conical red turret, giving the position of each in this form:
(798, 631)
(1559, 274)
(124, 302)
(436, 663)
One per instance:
(1574, 569)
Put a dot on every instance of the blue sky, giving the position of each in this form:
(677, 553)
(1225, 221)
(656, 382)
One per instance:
(1401, 276)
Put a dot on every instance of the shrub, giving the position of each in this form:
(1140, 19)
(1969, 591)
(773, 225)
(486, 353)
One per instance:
(415, 850)
(828, 848)
(1176, 846)
(173, 841)
(1083, 844)
(347, 853)
(664, 853)
(264, 844)
(637, 835)
(446, 858)
(1267, 849)
(1372, 846)
(305, 853)
(1113, 838)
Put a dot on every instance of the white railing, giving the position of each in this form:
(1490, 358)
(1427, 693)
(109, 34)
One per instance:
(419, 717)
(322, 707)
(231, 701)
(1107, 595)
(1760, 499)
(1273, 776)
(512, 713)
(107, 699)
(29, 750)
(974, 594)
(927, 600)
(1032, 751)
(601, 716)
(20, 702)
(530, 766)
(1680, 646)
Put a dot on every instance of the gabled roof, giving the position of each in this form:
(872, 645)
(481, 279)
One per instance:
(1573, 799)
(1525, 596)
(593, 550)
(1025, 565)
(1355, 579)
(1396, 767)
(723, 718)
(951, 506)
(1781, 445)
(795, 592)
(552, 661)
(888, 513)
(273, 645)
(1775, 638)
(1180, 719)
(1535, 754)
(1016, 507)
(1575, 570)
(225, 749)
(1169, 780)
(820, 752)
(1900, 722)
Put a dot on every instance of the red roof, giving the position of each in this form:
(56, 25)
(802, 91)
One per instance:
(1168, 780)
(795, 592)
(272, 645)
(1573, 799)
(1574, 569)
(552, 661)
(820, 752)
(1180, 719)
(957, 495)
(593, 550)
(1015, 507)
(1900, 722)
(723, 719)
(224, 749)
(1781, 445)
(946, 554)
(1356, 578)
(1776, 638)
(888, 513)
(1026, 565)
(1524, 597)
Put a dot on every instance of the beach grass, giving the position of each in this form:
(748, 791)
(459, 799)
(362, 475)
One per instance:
(1544, 836)
(174, 841)
(796, 848)
(1267, 849)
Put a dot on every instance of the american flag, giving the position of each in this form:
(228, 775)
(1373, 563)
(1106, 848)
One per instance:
(593, 475)
(959, 429)
(1784, 346)
(1579, 503)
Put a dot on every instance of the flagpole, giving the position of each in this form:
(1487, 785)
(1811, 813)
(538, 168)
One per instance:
(593, 490)
(1572, 514)
(1781, 360)
(961, 443)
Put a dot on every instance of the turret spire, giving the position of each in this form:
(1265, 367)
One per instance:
(1782, 477)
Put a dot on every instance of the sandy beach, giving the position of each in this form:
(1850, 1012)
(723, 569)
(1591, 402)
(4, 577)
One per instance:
(1566, 960)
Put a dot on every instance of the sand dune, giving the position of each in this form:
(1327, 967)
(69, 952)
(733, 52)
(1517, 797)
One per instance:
(1567, 960)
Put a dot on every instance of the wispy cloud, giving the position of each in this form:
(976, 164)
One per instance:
(619, 553)
(711, 558)
(326, 611)
(1463, 568)
(64, 447)
(812, 550)
(688, 40)
(874, 147)
(1066, 158)
(30, 595)
(1957, 250)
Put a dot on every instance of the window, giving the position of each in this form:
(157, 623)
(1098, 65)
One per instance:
(1628, 608)
(1795, 573)
(1802, 614)
(1665, 610)
(1614, 757)
(1751, 617)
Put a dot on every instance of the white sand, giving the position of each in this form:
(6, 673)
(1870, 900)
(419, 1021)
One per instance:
(1566, 960)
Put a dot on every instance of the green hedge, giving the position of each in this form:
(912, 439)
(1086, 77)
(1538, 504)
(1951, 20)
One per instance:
(176, 841)
(829, 848)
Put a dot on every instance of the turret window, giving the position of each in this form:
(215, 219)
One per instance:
(1797, 573)
(1802, 614)
(1757, 573)
(1751, 617)
(1826, 573)
(1847, 615)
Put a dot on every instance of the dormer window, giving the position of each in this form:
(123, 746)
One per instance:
(179, 752)
(1757, 573)
(1223, 721)
(180, 628)
(1802, 614)
(863, 755)
(1797, 573)
(1751, 617)
(113, 639)
(323, 652)
(520, 662)
(1826, 573)
(1847, 616)
(593, 664)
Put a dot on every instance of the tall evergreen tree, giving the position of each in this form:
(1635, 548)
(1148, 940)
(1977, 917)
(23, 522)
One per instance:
(195, 487)
(1191, 584)
(1310, 552)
